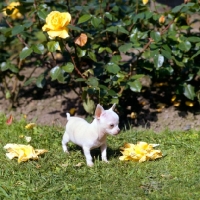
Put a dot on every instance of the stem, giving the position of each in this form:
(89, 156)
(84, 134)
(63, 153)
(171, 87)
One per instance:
(73, 61)
(68, 6)
(18, 36)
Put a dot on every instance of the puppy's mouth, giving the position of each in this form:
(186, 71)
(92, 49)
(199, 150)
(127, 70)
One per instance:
(117, 133)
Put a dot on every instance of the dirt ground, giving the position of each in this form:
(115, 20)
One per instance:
(49, 106)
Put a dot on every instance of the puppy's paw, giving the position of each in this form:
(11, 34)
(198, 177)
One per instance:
(90, 164)
(67, 152)
(105, 160)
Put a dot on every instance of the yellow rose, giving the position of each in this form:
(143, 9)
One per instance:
(145, 1)
(15, 12)
(56, 24)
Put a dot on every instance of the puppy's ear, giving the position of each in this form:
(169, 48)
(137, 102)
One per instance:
(113, 107)
(99, 110)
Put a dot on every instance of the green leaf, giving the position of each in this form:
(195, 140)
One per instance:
(158, 60)
(89, 105)
(101, 49)
(81, 52)
(93, 81)
(112, 29)
(121, 29)
(108, 15)
(69, 67)
(177, 8)
(42, 14)
(112, 68)
(155, 36)
(38, 48)
(179, 63)
(40, 81)
(8, 94)
(84, 18)
(196, 54)
(125, 47)
(4, 66)
(189, 91)
(185, 46)
(92, 56)
(137, 76)
(28, 24)
(74, 28)
(25, 53)
(2, 38)
(53, 46)
(29, 81)
(55, 72)
(139, 16)
(61, 78)
(114, 100)
(167, 54)
(193, 39)
(135, 86)
(17, 29)
(115, 59)
(13, 68)
(96, 22)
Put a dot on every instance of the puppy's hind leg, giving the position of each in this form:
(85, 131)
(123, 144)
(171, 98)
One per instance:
(65, 140)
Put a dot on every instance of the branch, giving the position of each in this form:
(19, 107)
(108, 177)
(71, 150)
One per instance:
(18, 36)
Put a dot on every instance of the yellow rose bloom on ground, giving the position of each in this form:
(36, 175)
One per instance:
(56, 24)
(15, 12)
(140, 152)
(23, 152)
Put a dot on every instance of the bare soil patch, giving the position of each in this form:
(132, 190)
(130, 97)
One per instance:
(49, 106)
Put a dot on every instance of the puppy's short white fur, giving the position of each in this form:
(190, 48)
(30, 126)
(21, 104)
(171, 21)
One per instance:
(90, 136)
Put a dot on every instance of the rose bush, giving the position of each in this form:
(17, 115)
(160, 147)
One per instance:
(92, 38)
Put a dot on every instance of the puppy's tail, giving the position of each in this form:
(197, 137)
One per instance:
(68, 116)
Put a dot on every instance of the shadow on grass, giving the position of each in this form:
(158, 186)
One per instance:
(96, 153)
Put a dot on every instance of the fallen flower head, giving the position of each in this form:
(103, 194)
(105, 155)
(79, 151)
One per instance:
(30, 126)
(140, 152)
(23, 152)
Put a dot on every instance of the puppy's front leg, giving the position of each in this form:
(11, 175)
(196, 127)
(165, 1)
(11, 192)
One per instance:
(88, 156)
(103, 152)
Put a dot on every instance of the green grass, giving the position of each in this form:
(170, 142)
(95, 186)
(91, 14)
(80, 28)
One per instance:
(56, 176)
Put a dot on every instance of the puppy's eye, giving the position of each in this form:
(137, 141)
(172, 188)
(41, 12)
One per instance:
(111, 125)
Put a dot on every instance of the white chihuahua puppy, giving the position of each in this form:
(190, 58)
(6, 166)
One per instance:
(90, 136)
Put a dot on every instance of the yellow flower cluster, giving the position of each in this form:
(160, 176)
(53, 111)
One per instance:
(140, 152)
(56, 24)
(23, 152)
(15, 12)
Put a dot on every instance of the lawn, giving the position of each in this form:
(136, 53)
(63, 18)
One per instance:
(59, 176)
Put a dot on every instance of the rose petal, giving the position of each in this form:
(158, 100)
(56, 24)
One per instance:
(9, 120)
(61, 33)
